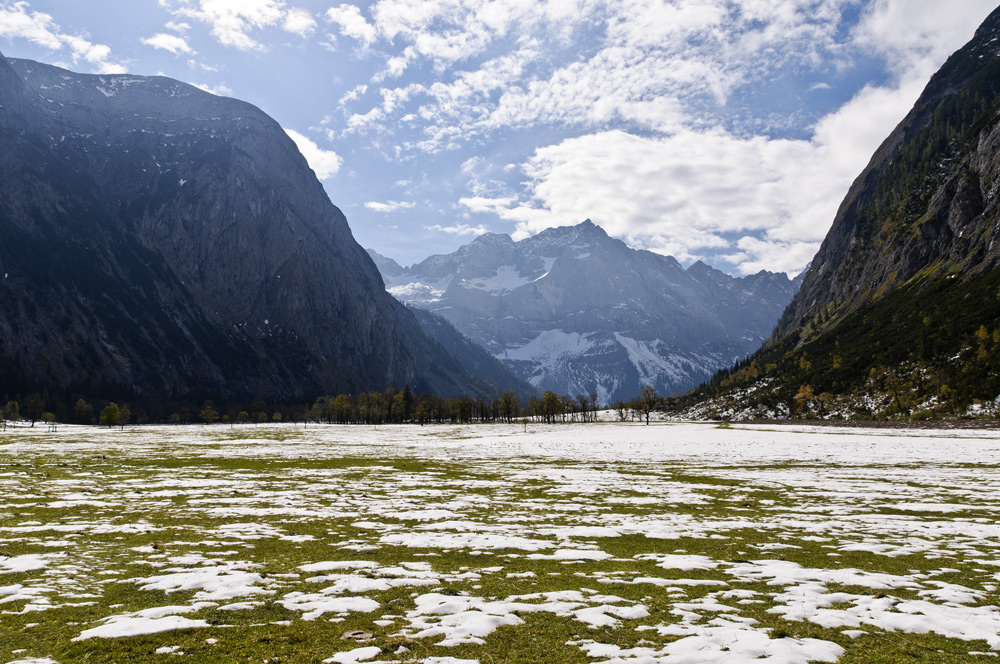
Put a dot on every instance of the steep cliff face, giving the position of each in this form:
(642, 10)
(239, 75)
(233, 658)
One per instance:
(161, 241)
(575, 311)
(925, 207)
(899, 315)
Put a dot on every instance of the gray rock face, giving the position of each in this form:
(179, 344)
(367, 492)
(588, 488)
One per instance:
(164, 242)
(472, 356)
(577, 312)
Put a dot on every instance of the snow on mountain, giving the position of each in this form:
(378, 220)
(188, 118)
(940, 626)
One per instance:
(575, 311)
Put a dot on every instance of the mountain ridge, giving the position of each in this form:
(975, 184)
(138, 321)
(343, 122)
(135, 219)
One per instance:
(575, 311)
(165, 242)
(935, 209)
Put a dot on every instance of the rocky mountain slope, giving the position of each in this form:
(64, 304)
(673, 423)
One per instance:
(898, 314)
(577, 312)
(491, 372)
(163, 242)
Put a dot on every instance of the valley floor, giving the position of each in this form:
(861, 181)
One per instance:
(620, 543)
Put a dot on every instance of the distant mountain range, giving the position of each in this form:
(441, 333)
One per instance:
(575, 311)
(899, 314)
(158, 241)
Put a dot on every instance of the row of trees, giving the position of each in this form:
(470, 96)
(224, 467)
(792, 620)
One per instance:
(389, 407)
(43, 407)
(33, 411)
(397, 407)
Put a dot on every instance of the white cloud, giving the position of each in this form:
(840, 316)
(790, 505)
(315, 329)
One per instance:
(486, 205)
(353, 94)
(325, 163)
(917, 35)
(388, 206)
(17, 21)
(36, 27)
(395, 66)
(233, 20)
(220, 90)
(352, 23)
(299, 22)
(688, 193)
(652, 65)
(651, 23)
(172, 43)
(458, 229)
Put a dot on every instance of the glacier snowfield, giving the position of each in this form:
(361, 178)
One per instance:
(592, 543)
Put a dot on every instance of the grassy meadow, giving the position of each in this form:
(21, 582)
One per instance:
(606, 542)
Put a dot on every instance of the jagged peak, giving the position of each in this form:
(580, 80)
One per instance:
(589, 226)
(701, 268)
(587, 230)
(493, 239)
(385, 265)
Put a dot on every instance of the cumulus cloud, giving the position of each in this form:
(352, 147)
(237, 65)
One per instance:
(325, 163)
(233, 21)
(299, 22)
(352, 23)
(916, 36)
(760, 203)
(172, 43)
(388, 206)
(18, 21)
(458, 229)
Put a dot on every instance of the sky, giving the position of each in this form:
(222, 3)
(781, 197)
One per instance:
(726, 131)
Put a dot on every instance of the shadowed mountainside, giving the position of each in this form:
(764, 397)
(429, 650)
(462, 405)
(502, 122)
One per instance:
(160, 241)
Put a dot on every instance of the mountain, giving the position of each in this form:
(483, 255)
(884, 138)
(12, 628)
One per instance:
(575, 311)
(898, 313)
(494, 375)
(163, 242)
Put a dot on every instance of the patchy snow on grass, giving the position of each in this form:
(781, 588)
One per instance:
(217, 583)
(725, 641)
(21, 564)
(314, 605)
(354, 656)
(673, 543)
(148, 621)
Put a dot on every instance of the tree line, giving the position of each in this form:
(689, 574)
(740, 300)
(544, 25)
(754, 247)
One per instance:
(391, 406)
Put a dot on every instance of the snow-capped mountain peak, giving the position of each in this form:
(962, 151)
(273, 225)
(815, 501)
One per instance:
(578, 312)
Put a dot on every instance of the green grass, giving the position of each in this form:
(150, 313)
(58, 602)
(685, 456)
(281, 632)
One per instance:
(166, 508)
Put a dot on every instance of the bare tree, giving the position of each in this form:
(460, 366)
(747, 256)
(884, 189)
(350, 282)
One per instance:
(648, 401)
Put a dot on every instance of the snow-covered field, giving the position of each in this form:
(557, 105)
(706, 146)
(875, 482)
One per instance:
(673, 543)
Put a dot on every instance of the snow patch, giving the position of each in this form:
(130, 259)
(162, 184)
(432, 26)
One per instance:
(549, 347)
(507, 278)
(353, 656)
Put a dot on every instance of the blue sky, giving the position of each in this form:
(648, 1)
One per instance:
(721, 130)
